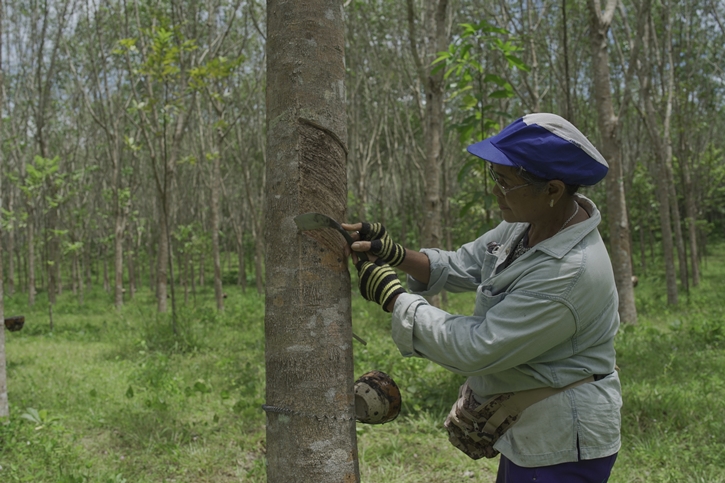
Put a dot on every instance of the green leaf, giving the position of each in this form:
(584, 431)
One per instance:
(127, 43)
(129, 392)
(496, 79)
(441, 57)
(437, 69)
(469, 101)
(501, 94)
(32, 415)
(518, 63)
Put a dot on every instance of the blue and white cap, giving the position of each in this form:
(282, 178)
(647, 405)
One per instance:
(547, 146)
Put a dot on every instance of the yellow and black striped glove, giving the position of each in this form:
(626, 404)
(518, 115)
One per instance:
(378, 282)
(381, 245)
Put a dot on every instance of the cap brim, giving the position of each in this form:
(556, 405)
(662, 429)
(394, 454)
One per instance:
(488, 152)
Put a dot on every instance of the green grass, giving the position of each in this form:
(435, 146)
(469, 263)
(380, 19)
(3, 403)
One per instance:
(113, 396)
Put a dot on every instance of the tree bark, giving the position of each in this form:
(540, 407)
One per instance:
(241, 264)
(661, 167)
(4, 408)
(11, 233)
(216, 181)
(674, 206)
(691, 219)
(31, 260)
(120, 226)
(310, 402)
(162, 263)
(130, 252)
(620, 248)
(435, 28)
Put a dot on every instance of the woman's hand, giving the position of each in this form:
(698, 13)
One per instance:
(373, 238)
(378, 283)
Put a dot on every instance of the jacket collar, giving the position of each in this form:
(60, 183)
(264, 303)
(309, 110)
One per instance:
(560, 244)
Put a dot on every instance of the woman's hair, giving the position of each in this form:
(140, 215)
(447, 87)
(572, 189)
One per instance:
(541, 182)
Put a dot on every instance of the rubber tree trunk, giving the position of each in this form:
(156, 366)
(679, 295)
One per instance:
(4, 408)
(118, 261)
(620, 246)
(662, 176)
(435, 39)
(215, 208)
(162, 263)
(31, 260)
(308, 330)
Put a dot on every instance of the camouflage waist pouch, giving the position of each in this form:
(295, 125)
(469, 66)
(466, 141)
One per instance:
(474, 428)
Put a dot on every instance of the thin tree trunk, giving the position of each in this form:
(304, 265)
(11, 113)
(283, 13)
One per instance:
(185, 269)
(118, 261)
(660, 170)
(31, 261)
(22, 265)
(79, 273)
(642, 251)
(74, 273)
(674, 206)
(130, 252)
(676, 218)
(691, 218)
(4, 408)
(215, 208)
(162, 262)
(241, 264)
(620, 249)
(151, 262)
(87, 264)
(436, 40)
(192, 278)
(436, 34)
(104, 261)
(58, 272)
(11, 233)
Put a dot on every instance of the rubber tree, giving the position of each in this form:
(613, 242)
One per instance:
(436, 32)
(308, 331)
(157, 62)
(4, 409)
(609, 126)
(100, 85)
(656, 115)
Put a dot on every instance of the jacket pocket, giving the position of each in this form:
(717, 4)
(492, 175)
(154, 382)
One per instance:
(485, 300)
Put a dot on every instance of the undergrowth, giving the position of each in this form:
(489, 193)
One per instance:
(119, 396)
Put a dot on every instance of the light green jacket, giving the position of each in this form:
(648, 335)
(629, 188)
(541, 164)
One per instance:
(549, 319)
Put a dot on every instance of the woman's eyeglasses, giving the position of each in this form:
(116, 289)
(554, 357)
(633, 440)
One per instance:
(502, 184)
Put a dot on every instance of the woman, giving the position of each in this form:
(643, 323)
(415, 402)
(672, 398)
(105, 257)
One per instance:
(545, 313)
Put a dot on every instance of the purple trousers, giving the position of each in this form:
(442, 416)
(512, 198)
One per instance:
(584, 471)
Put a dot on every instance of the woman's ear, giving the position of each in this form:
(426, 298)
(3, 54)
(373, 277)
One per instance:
(556, 190)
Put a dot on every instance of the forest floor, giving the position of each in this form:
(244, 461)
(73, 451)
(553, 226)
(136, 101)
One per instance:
(113, 396)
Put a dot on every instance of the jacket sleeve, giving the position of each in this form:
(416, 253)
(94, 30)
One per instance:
(460, 270)
(515, 330)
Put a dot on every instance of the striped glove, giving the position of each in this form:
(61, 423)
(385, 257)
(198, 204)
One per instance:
(381, 245)
(378, 282)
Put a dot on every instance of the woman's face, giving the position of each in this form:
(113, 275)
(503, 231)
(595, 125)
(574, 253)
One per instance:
(519, 200)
